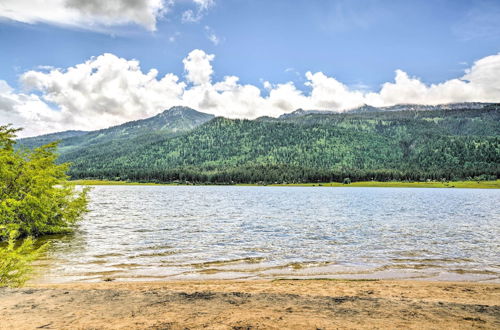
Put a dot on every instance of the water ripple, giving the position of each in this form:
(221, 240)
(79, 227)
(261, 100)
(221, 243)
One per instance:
(186, 232)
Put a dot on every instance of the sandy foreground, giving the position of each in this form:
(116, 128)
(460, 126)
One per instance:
(300, 304)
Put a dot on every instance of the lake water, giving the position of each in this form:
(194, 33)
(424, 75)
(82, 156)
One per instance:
(232, 232)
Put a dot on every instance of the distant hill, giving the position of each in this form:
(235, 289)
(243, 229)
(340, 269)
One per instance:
(450, 106)
(399, 107)
(181, 144)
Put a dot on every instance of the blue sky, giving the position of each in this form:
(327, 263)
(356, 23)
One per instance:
(359, 43)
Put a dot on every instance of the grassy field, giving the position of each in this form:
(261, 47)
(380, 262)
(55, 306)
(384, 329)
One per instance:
(450, 184)
(119, 183)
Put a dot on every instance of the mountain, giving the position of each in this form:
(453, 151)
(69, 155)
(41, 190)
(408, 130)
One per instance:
(399, 107)
(423, 107)
(450, 106)
(365, 108)
(302, 112)
(37, 141)
(175, 120)
(182, 144)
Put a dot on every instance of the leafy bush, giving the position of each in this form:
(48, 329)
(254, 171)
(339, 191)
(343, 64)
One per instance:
(15, 261)
(35, 199)
(35, 196)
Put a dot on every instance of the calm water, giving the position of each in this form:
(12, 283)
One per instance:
(204, 232)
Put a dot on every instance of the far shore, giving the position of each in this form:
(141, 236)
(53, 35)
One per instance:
(282, 304)
(379, 184)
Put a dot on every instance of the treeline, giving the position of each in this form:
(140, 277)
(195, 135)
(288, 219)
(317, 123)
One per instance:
(268, 174)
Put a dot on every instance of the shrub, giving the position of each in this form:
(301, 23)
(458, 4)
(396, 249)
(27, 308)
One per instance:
(35, 196)
(15, 261)
(36, 199)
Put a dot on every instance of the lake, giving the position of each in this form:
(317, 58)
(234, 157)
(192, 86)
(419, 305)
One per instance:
(148, 233)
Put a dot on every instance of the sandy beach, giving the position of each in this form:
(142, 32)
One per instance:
(279, 304)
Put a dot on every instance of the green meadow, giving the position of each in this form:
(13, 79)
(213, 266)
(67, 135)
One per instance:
(394, 184)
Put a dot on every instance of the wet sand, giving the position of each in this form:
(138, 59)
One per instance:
(299, 304)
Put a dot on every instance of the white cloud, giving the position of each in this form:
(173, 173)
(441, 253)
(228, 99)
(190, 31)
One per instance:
(480, 83)
(328, 93)
(205, 4)
(88, 14)
(108, 90)
(103, 91)
(94, 14)
(211, 35)
(267, 85)
(193, 16)
(198, 67)
(27, 110)
(173, 37)
(189, 16)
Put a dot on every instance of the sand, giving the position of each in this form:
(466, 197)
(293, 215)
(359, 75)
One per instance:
(300, 304)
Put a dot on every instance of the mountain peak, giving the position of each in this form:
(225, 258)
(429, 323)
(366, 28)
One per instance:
(301, 112)
(179, 109)
(182, 111)
(172, 121)
(364, 108)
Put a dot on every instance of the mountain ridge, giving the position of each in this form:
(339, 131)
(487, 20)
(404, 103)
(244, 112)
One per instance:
(182, 110)
(398, 107)
(175, 120)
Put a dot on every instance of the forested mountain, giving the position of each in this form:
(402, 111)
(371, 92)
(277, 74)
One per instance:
(168, 123)
(305, 147)
(47, 138)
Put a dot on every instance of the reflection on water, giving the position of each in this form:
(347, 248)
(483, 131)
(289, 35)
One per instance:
(205, 232)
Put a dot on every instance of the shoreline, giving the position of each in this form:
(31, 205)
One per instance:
(365, 184)
(258, 304)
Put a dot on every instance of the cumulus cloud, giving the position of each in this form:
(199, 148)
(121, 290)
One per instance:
(198, 67)
(480, 83)
(107, 90)
(27, 110)
(94, 14)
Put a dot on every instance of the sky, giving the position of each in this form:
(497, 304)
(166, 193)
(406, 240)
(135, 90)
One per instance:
(91, 64)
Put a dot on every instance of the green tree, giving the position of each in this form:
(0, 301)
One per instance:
(35, 196)
(35, 199)
(15, 260)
